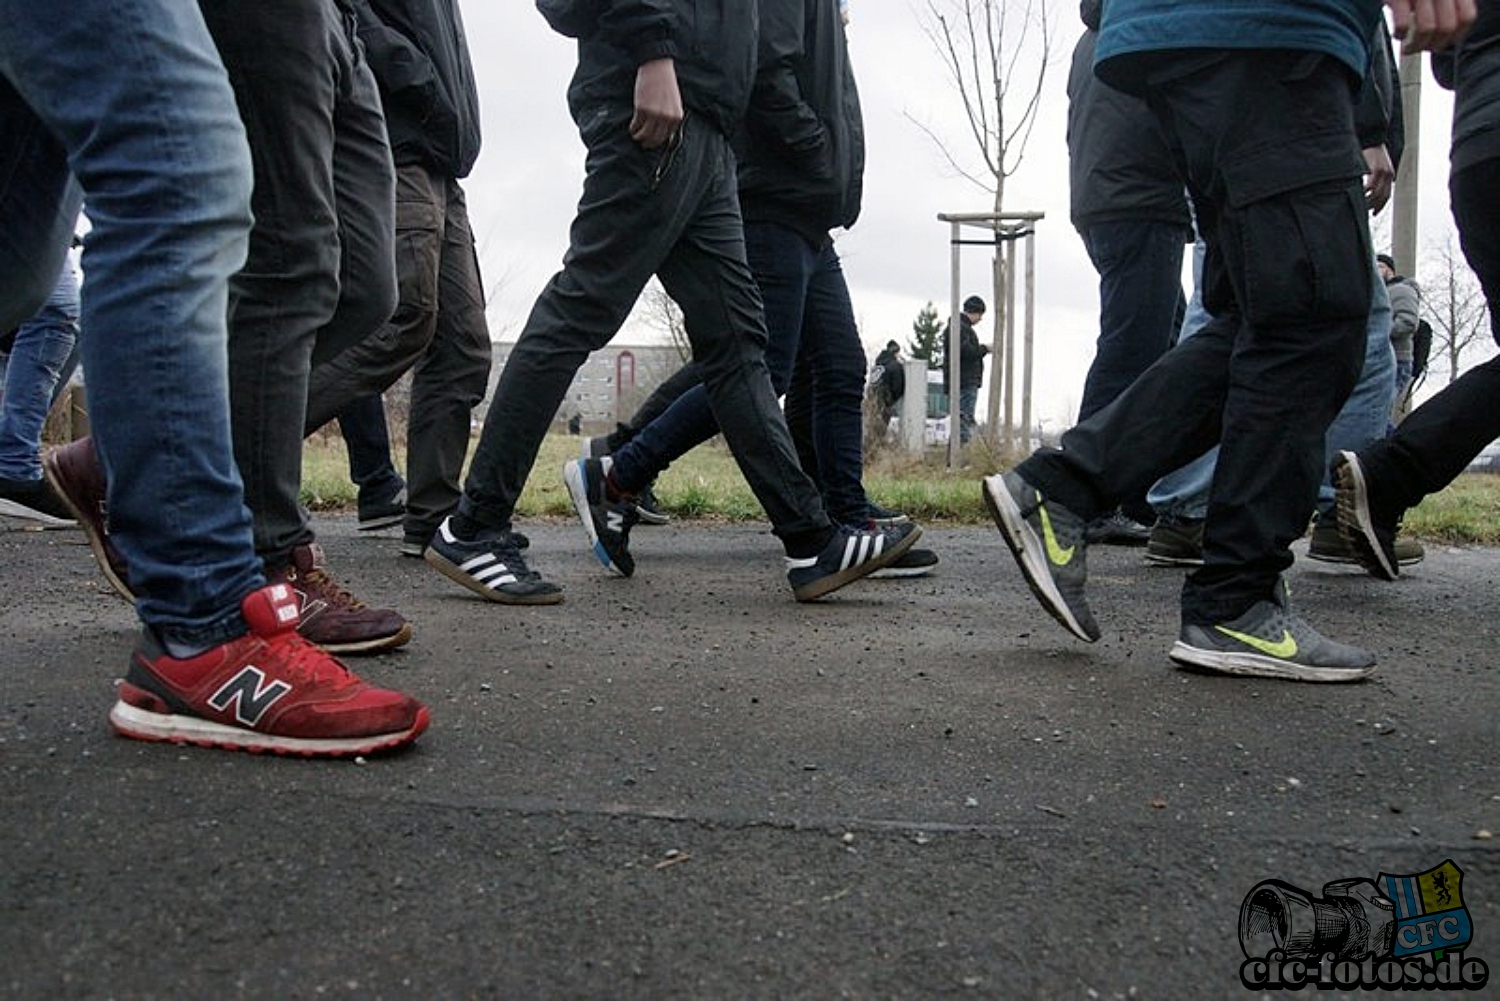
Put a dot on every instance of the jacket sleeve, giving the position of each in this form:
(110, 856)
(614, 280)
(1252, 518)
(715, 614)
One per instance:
(778, 115)
(647, 29)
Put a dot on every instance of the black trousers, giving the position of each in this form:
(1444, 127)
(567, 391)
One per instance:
(673, 212)
(1265, 142)
(1439, 438)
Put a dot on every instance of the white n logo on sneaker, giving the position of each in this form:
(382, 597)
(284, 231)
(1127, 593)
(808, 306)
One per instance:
(249, 694)
(615, 521)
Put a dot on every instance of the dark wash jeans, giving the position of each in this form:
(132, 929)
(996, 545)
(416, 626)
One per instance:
(1139, 262)
(321, 270)
(1266, 144)
(673, 212)
(807, 310)
(1439, 438)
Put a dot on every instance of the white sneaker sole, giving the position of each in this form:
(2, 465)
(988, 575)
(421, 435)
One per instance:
(1251, 665)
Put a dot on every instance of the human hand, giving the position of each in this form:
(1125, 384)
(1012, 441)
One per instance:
(1379, 178)
(1429, 25)
(658, 103)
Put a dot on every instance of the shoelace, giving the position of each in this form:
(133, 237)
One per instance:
(329, 589)
(306, 662)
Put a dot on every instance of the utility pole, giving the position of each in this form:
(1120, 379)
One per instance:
(1404, 204)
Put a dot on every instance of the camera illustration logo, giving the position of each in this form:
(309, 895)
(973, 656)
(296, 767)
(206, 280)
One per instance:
(1392, 933)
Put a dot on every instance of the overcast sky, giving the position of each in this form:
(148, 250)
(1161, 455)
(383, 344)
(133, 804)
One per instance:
(525, 186)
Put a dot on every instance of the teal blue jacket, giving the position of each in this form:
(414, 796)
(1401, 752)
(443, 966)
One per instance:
(1339, 28)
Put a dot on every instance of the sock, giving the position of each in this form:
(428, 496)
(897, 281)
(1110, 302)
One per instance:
(613, 492)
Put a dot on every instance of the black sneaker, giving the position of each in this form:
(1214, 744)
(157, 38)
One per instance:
(884, 516)
(1116, 529)
(35, 501)
(414, 545)
(1048, 543)
(1268, 641)
(383, 513)
(607, 522)
(1372, 539)
(1175, 542)
(912, 563)
(649, 509)
(852, 553)
(491, 567)
(595, 448)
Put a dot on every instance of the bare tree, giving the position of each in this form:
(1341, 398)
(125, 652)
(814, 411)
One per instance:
(998, 67)
(1454, 304)
(660, 312)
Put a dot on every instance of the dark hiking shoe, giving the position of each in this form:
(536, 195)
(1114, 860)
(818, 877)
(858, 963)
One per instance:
(1048, 543)
(491, 566)
(607, 523)
(330, 616)
(1268, 641)
(75, 473)
(852, 553)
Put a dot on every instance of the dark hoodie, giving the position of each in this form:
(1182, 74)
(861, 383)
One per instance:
(712, 43)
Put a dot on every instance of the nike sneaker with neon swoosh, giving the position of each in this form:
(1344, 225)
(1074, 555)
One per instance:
(1048, 543)
(1268, 641)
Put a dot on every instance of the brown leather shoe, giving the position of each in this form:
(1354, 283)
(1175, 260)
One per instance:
(75, 473)
(333, 618)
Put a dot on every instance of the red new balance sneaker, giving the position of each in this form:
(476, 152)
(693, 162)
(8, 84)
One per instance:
(267, 691)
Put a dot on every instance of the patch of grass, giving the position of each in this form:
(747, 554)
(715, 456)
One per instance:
(706, 484)
(1467, 512)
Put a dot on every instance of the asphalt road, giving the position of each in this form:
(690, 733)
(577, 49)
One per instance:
(687, 785)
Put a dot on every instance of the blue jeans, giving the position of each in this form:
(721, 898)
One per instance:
(807, 310)
(41, 359)
(968, 404)
(1183, 494)
(132, 95)
(1139, 262)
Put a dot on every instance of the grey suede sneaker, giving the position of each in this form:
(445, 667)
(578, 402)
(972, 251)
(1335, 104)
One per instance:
(1048, 543)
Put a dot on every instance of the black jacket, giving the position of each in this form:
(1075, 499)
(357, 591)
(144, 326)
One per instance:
(420, 59)
(709, 41)
(1119, 166)
(970, 355)
(1472, 70)
(802, 148)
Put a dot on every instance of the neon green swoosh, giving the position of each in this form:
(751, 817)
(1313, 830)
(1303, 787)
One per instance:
(1284, 648)
(1057, 554)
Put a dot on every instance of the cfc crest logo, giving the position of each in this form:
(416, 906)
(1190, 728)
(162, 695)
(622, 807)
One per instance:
(1395, 933)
